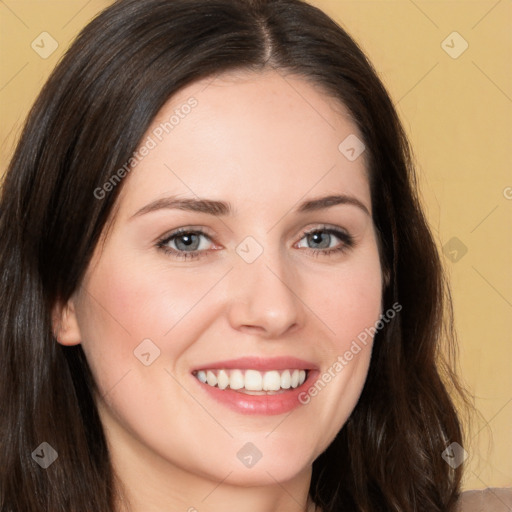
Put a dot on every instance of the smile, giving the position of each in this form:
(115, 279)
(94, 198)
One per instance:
(253, 382)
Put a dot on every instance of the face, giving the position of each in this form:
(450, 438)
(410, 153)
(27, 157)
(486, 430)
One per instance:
(226, 264)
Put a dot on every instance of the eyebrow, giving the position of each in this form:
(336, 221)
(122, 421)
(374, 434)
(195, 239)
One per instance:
(222, 208)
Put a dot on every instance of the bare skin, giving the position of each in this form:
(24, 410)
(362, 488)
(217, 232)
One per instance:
(265, 145)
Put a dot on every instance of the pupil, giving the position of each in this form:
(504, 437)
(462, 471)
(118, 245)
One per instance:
(317, 239)
(186, 241)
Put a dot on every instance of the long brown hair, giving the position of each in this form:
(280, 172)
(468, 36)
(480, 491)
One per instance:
(86, 123)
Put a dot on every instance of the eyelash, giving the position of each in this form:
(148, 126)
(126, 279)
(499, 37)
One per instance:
(346, 239)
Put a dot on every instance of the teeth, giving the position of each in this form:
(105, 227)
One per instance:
(236, 380)
(211, 378)
(286, 379)
(252, 380)
(222, 379)
(271, 381)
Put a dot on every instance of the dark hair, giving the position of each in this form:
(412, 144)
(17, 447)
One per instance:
(86, 123)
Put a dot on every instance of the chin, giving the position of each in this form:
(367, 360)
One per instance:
(256, 464)
(267, 473)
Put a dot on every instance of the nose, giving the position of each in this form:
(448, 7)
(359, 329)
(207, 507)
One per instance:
(264, 298)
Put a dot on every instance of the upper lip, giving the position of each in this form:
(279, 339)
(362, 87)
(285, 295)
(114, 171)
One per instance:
(260, 363)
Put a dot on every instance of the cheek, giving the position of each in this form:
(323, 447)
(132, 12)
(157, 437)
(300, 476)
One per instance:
(128, 302)
(123, 306)
(349, 306)
(138, 300)
(347, 300)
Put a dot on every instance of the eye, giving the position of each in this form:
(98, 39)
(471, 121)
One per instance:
(185, 243)
(323, 241)
(189, 243)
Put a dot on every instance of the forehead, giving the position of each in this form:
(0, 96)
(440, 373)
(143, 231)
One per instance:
(250, 138)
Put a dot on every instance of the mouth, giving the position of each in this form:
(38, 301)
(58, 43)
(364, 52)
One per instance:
(252, 385)
(253, 382)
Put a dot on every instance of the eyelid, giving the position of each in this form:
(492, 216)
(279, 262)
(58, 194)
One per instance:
(174, 233)
(323, 227)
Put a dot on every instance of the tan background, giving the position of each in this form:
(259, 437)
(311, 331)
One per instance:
(457, 110)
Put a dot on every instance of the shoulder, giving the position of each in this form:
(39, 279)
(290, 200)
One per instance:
(492, 499)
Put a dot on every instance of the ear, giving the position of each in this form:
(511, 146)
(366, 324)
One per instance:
(65, 325)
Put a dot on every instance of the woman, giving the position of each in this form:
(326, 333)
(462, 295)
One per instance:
(219, 287)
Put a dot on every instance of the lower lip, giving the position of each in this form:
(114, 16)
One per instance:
(267, 405)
